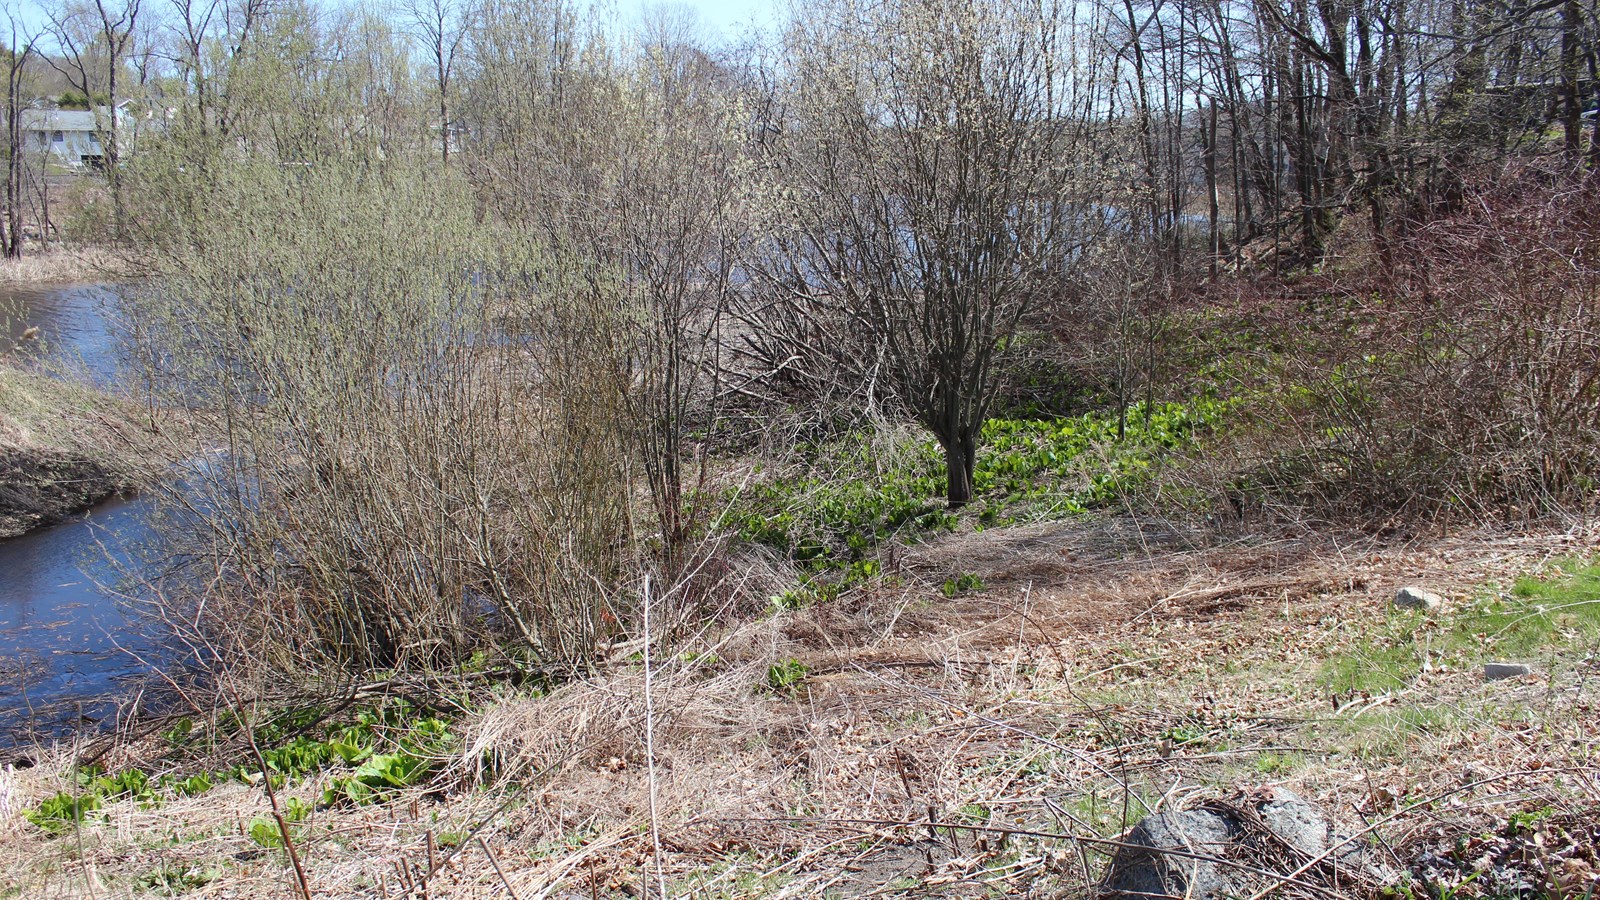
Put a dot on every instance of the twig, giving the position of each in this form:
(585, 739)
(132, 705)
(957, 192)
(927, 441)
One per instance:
(497, 870)
(1054, 745)
(1060, 836)
(77, 820)
(1334, 848)
(272, 800)
(650, 747)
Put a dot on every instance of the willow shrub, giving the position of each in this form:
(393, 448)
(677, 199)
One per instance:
(407, 425)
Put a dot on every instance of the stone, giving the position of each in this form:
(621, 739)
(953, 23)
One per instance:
(1298, 823)
(1417, 598)
(1502, 671)
(1146, 868)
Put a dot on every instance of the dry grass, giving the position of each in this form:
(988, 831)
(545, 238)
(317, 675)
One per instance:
(63, 447)
(67, 264)
(1106, 671)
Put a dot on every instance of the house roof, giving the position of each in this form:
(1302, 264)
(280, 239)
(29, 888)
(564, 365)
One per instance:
(58, 120)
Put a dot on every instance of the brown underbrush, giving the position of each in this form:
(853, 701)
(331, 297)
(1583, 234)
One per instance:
(67, 264)
(900, 741)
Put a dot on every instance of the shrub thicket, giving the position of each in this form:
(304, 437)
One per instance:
(1464, 381)
(421, 448)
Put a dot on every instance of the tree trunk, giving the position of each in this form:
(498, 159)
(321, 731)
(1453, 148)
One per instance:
(11, 236)
(1571, 105)
(1213, 203)
(960, 457)
(443, 81)
(45, 225)
(1594, 132)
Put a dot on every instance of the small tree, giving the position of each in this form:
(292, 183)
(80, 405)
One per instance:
(17, 50)
(675, 221)
(441, 26)
(94, 41)
(928, 156)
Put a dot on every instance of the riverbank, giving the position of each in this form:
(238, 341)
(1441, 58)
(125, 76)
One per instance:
(40, 487)
(64, 447)
(910, 740)
(66, 264)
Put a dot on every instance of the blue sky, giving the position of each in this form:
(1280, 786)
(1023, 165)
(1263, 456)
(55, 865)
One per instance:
(721, 18)
(726, 18)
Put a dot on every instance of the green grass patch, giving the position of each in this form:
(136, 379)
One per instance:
(1375, 665)
(856, 494)
(1110, 811)
(265, 832)
(384, 748)
(961, 584)
(1274, 762)
(1391, 734)
(1561, 609)
(172, 880)
(786, 677)
(1555, 612)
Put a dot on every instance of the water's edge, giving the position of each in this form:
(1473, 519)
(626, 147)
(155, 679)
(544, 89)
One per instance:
(70, 529)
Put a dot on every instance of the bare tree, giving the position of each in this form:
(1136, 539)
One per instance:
(677, 211)
(19, 49)
(94, 41)
(208, 37)
(929, 167)
(442, 26)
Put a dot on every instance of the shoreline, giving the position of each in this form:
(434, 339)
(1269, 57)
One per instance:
(64, 265)
(42, 487)
(61, 451)
(1224, 691)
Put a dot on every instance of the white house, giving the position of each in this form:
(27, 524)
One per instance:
(71, 136)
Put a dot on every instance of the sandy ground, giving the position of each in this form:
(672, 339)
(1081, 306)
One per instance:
(1106, 669)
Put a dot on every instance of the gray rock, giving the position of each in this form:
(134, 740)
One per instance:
(1500, 671)
(1304, 827)
(1297, 823)
(1417, 598)
(1144, 869)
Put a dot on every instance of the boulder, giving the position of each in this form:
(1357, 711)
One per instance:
(1217, 850)
(1417, 598)
(1145, 868)
(1297, 823)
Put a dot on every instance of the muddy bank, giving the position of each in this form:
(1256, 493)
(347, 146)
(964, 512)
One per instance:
(42, 487)
(67, 439)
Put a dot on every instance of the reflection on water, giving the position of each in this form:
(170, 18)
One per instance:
(65, 643)
(64, 640)
(70, 326)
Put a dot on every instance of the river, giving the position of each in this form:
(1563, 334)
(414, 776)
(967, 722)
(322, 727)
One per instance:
(68, 649)
(75, 323)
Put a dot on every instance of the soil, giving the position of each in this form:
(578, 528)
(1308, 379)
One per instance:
(42, 487)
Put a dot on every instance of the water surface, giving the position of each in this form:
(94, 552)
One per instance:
(67, 647)
(70, 326)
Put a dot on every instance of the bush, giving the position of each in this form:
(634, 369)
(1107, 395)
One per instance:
(423, 450)
(1464, 383)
